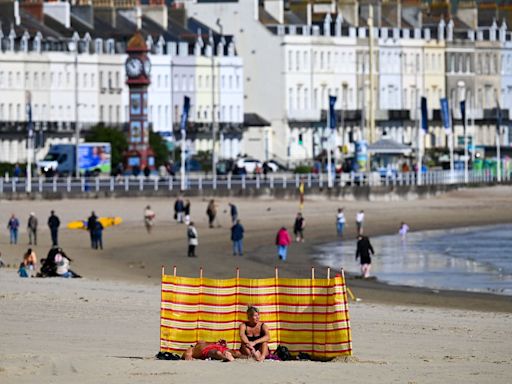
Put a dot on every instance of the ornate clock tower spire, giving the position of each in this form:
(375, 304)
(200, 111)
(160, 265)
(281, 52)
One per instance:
(138, 69)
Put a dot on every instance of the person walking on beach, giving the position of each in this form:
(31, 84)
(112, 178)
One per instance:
(298, 227)
(53, 224)
(233, 212)
(340, 222)
(179, 208)
(149, 218)
(12, 225)
(98, 235)
(402, 231)
(363, 250)
(186, 210)
(193, 240)
(237, 235)
(91, 227)
(360, 221)
(211, 212)
(32, 229)
(283, 241)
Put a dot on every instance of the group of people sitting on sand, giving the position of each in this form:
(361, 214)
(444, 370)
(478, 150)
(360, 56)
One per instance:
(56, 264)
(254, 337)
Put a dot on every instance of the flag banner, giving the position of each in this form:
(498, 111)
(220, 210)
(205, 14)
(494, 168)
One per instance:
(184, 115)
(499, 117)
(463, 114)
(424, 114)
(445, 113)
(305, 315)
(332, 112)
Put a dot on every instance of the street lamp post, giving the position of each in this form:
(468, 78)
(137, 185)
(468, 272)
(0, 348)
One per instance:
(73, 47)
(30, 142)
(214, 122)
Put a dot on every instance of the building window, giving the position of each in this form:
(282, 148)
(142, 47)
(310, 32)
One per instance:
(190, 83)
(237, 82)
(290, 99)
(306, 101)
(102, 111)
(230, 82)
(183, 82)
(297, 60)
(289, 60)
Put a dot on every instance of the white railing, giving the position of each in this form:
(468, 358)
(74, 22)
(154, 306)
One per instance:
(280, 181)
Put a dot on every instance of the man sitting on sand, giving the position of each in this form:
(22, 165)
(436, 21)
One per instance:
(216, 351)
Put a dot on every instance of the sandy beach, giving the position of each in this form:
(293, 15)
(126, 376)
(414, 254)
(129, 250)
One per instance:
(105, 327)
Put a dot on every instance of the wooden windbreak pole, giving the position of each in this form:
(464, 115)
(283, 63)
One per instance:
(174, 271)
(276, 304)
(327, 302)
(347, 319)
(199, 303)
(161, 304)
(237, 287)
(313, 311)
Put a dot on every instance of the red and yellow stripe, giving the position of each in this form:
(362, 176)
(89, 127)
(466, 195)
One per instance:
(306, 315)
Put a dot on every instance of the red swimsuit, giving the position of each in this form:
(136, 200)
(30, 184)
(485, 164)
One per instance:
(213, 347)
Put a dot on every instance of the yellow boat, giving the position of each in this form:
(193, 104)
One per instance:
(105, 221)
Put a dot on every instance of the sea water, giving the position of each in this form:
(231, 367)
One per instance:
(475, 259)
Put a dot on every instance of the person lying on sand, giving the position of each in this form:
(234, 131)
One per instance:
(254, 336)
(216, 351)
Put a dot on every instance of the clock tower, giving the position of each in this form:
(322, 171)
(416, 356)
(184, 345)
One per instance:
(138, 69)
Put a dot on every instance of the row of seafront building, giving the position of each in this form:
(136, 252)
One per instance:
(274, 66)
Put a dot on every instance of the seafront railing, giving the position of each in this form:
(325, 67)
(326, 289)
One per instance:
(273, 182)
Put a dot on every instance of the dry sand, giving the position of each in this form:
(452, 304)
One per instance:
(54, 330)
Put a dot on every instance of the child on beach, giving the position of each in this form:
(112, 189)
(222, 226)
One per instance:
(340, 222)
(404, 228)
(149, 218)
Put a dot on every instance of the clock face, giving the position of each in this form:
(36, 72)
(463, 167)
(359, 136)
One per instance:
(133, 67)
(147, 67)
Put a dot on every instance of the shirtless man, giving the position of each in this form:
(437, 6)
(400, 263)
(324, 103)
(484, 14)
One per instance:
(216, 351)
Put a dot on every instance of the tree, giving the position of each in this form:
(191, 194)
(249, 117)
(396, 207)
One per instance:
(157, 143)
(116, 138)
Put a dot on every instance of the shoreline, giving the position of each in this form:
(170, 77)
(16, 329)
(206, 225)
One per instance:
(131, 255)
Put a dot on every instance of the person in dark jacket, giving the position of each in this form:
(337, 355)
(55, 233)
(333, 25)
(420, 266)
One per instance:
(364, 247)
(98, 235)
(234, 213)
(298, 227)
(237, 235)
(54, 223)
(91, 227)
(179, 209)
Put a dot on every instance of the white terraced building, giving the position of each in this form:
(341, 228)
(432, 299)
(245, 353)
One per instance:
(90, 87)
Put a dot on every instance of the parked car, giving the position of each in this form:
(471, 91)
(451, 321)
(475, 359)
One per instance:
(249, 164)
(275, 166)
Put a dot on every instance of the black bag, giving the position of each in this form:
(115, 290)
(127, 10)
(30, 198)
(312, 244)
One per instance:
(304, 356)
(283, 353)
(191, 234)
(167, 356)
